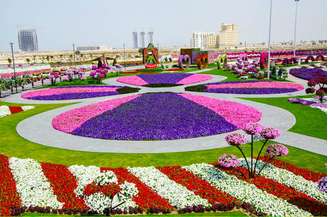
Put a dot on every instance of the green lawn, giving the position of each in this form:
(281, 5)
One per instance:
(231, 213)
(14, 145)
(227, 73)
(309, 121)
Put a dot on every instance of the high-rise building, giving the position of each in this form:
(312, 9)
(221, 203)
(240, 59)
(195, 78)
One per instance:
(204, 40)
(28, 40)
(150, 37)
(142, 39)
(135, 39)
(228, 35)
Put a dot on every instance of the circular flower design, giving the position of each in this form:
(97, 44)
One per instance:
(165, 79)
(252, 87)
(270, 133)
(75, 92)
(156, 116)
(308, 74)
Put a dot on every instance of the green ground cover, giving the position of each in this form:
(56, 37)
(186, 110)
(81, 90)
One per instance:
(14, 145)
(309, 121)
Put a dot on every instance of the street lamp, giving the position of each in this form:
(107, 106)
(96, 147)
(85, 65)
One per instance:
(124, 56)
(13, 57)
(269, 40)
(73, 52)
(295, 25)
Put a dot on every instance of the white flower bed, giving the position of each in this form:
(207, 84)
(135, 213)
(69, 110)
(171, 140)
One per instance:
(291, 180)
(4, 111)
(32, 185)
(177, 195)
(98, 201)
(249, 193)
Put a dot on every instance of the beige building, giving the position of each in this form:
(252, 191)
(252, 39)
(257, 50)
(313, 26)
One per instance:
(204, 40)
(228, 36)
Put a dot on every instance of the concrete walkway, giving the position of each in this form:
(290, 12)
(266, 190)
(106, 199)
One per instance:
(38, 128)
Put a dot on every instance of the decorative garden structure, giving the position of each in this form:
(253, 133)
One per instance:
(150, 56)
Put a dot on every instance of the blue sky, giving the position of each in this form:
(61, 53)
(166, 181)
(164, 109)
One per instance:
(59, 23)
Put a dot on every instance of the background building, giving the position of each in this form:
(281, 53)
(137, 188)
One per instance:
(204, 40)
(150, 37)
(142, 39)
(135, 39)
(228, 36)
(28, 40)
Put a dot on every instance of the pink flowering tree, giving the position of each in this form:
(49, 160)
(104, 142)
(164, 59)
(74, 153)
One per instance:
(237, 140)
(317, 86)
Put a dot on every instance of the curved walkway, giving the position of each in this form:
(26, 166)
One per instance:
(36, 127)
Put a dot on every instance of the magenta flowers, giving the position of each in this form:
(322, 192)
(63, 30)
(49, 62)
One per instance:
(228, 161)
(276, 150)
(235, 139)
(253, 129)
(270, 133)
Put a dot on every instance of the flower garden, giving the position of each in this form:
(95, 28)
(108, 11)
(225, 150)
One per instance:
(164, 79)
(308, 73)
(249, 87)
(75, 92)
(253, 170)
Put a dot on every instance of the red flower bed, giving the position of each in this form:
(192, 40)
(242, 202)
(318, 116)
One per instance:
(200, 187)
(146, 198)
(63, 184)
(307, 174)
(9, 198)
(299, 199)
(15, 109)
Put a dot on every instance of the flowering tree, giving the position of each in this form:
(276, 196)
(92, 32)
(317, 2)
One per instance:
(318, 86)
(254, 130)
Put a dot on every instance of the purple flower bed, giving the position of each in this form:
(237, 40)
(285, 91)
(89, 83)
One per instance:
(308, 74)
(252, 90)
(76, 92)
(159, 116)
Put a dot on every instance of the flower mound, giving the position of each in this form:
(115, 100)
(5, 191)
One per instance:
(171, 79)
(253, 87)
(276, 150)
(71, 92)
(156, 116)
(308, 74)
(228, 161)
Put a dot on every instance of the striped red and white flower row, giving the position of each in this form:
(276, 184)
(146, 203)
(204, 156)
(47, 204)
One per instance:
(198, 187)
(8, 110)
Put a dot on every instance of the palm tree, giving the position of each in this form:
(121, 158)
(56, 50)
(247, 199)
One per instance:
(28, 61)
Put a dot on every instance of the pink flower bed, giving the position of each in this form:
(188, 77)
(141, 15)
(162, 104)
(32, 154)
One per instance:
(261, 84)
(235, 113)
(133, 80)
(70, 120)
(65, 90)
(195, 79)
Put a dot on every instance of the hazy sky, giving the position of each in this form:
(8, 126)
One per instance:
(59, 23)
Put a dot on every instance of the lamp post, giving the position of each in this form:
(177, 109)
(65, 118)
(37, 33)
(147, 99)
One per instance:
(13, 57)
(124, 56)
(269, 40)
(73, 52)
(295, 25)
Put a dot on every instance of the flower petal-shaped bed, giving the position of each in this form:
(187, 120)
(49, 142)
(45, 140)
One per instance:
(72, 92)
(165, 79)
(250, 87)
(156, 116)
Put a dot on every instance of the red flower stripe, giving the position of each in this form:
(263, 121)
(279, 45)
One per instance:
(63, 184)
(307, 174)
(9, 198)
(299, 199)
(146, 198)
(198, 186)
(15, 109)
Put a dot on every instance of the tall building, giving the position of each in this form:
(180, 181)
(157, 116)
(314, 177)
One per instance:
(28, 40)
(204, 40)
(135, 39)
(142, 39)
(228, 35)
(150, 37)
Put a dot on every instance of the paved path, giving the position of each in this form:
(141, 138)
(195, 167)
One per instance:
(36, 127)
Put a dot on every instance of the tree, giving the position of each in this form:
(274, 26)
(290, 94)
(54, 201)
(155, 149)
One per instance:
(28, 60)
(9, 61)
(318, 86)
